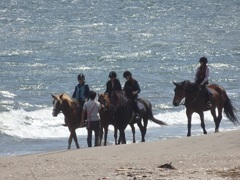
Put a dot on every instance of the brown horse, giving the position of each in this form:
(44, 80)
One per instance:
(124, 115)
(195, 102)
(106, 115)
(72, 113)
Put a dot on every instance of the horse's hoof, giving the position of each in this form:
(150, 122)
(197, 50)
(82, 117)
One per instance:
(216, 131)
(205, 132)
(188, 135)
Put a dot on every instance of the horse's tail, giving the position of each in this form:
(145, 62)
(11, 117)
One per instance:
(229, 111)
(150, 116)
(157, 121)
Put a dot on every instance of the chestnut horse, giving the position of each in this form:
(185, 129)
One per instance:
(195, 102)
(124, 115)
(72, 113)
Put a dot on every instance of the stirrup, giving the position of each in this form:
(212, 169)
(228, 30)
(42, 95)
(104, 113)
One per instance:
(209, 104)
(137, 116)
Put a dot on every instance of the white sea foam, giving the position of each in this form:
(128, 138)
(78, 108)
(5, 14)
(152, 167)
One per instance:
(7, 94)
(35, 124)
(41, 124)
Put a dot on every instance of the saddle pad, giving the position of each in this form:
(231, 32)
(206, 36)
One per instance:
(140, 105)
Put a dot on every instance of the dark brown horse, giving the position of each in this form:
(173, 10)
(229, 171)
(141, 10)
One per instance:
(195, 102)
(107, 118)
(72, 113)
(124, 115)
(106, 115)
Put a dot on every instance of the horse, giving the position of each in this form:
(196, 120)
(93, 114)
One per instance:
(71, 110)
(106, 115)
(125, 115)
(107, 118)
(195, 102)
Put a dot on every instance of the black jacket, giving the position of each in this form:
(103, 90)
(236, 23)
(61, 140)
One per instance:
(116, 87)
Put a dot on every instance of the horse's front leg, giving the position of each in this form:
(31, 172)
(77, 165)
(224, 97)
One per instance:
(100, 135)
(189, 116)
(122, 138)
(105, 135)
(202, 122)
(73, 136)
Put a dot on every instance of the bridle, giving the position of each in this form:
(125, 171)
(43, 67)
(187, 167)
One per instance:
(104, 102)
(180, 96)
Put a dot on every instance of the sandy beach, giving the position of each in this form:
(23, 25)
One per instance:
(212, 156)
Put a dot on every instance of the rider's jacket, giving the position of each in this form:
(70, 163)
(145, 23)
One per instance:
(81, 92)
(202, 75)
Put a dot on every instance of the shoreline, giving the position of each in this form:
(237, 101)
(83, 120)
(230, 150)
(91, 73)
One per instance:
(212, 156)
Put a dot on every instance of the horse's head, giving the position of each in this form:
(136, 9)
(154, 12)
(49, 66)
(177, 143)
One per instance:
(184, 89)
(57, 104)
(104, 100)
(64, 103)
(179, 92)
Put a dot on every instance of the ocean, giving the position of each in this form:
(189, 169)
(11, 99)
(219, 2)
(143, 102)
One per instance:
(45, 44)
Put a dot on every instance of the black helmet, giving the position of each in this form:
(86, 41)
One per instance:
(127, 73)
(204, 60)
(81, 76)
(112, 74)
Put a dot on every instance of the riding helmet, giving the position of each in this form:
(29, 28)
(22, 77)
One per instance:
(112, 74)
(126, 74)
(204, 60)
(81, 76)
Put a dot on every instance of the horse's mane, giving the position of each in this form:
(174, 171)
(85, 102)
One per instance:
(71, 101)
(122, 99)
(67, 97)
(191, 86)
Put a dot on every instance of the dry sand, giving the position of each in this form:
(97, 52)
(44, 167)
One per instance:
(212, 156)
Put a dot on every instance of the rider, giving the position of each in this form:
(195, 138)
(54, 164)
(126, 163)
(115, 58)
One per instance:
(201, 78)
(132, 89)
(81, 91)
(113, 84)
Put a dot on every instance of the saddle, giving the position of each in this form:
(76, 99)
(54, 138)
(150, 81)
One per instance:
(141, 107)
(207, 91)
(141, 110)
